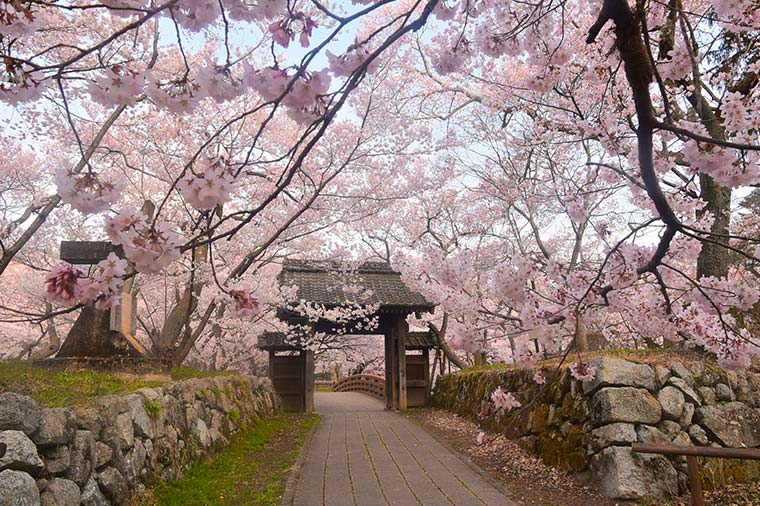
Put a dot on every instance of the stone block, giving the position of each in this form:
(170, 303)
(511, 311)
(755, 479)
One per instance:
(57, 427)
(611, 371)
(83, 457)
(686, 389)
(622, 474)
(625, 404)
(20, 454)
(672, 401)
(19, 412)
(734, 425)
(614, 434)
(61, 492)
(18, 489)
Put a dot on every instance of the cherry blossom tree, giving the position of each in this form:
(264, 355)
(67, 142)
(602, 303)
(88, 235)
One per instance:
(567, 165)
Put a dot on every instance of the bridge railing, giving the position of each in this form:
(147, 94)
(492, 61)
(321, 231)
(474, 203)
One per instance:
(365, 383)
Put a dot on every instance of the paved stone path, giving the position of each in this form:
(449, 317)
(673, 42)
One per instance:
(362, 455)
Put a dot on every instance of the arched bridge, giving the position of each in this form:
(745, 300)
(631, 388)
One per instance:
(365, 383)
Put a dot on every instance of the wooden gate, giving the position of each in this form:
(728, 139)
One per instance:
(417, 379)
(292, 376)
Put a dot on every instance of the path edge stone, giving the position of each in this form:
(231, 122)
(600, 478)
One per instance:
(289, 494)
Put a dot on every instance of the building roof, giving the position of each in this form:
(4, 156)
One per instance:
(332, 284)
(420, 340)
(275, 341)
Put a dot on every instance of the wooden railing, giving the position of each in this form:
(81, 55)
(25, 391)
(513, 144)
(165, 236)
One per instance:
(691, 453)
(365, 383)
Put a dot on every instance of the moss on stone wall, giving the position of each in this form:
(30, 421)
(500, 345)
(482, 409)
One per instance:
(556, 420)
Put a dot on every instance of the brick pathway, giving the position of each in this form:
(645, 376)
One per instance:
(361, 455)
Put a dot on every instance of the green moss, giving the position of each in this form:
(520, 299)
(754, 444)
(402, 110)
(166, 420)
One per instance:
(540, 418)
(153, 408)
(234, 415)
(251, 470)
(56, 389)
(183, 373)
(488, 367)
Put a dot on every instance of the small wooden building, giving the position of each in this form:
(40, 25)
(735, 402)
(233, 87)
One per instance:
(372, 284)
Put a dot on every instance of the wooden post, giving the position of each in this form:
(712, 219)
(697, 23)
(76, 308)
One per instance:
(691, 453)
(270, 368)
(402, 328)
(426, 359)
(394, 364)
(308, 381)
(389, 369)
(695, 481)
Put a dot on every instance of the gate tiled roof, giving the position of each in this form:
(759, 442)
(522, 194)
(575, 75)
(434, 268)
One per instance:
(332, 284)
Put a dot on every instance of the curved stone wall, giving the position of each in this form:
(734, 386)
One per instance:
(97, 455)
(589, 427)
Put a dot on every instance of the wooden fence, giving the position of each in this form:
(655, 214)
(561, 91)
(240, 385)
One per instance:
(691, 453)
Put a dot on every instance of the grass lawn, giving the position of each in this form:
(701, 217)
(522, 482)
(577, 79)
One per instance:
(251, 471)
(56, 388)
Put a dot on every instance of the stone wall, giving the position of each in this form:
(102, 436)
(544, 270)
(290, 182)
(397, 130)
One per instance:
(588, 427)
(99, 454)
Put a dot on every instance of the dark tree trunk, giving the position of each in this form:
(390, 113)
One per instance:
(713, 258)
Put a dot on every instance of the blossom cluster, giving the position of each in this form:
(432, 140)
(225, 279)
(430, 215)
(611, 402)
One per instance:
(62, 285)
(285, 30)
(503, 400)
(117, 86)
(69, 286)
(151, 247)
(582, 371)
(16, 20)
(103, 287)
(208, 186)
(721, 163)
(245, 304)
(19, 82)
(345, 64)
(87, 191)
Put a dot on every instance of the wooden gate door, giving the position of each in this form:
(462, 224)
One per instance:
(417, 379)
(292, 376)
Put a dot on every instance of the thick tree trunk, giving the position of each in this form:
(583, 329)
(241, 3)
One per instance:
(713, 258)
(443, 345)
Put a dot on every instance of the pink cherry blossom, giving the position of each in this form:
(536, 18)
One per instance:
(87, 192)
(209, 185)
(19, 83)
(119, 86)
(269, 82)
(503, 400)
(246, 305)
(104, 287)
(63, 285)
(281, 34)
(16, 21)
(151, 247)
(582, 371)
